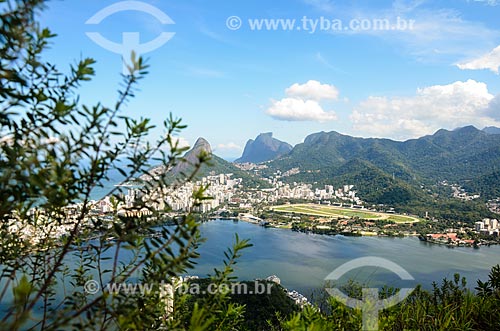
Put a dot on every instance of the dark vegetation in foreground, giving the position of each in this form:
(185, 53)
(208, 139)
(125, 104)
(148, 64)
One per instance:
(449, 305)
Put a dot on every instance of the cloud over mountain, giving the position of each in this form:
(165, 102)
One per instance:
(438, 106)
(303, 103)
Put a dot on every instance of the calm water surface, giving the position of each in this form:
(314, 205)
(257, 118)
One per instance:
(302, 261)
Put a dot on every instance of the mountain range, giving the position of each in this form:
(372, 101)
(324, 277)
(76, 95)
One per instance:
(492, 130)
(457, 155)
(385, 171)
(408, 175)
(214, 166)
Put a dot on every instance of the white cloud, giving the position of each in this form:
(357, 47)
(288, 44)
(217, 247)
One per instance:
(231, 146)
(302, 103)
(437, 34)
(487, 2)
(442, 35)
(489, 61)
(434, 107)
(313, 90)
(295, 109)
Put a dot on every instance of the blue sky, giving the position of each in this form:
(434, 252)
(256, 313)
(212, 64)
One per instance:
(230, 81)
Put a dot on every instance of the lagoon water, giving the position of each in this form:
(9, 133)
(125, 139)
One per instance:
(303, 261)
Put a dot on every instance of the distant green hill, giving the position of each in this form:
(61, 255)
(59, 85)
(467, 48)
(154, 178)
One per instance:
(215, 166)
(491, 130)
(487, 185)
(399, 173)
(218, 165)
(455, 156)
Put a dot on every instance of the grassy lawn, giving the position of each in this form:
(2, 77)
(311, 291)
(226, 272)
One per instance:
(402, 219)
(300, 209)
(338, 212)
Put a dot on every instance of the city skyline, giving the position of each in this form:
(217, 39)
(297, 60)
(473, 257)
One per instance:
(230, 82)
